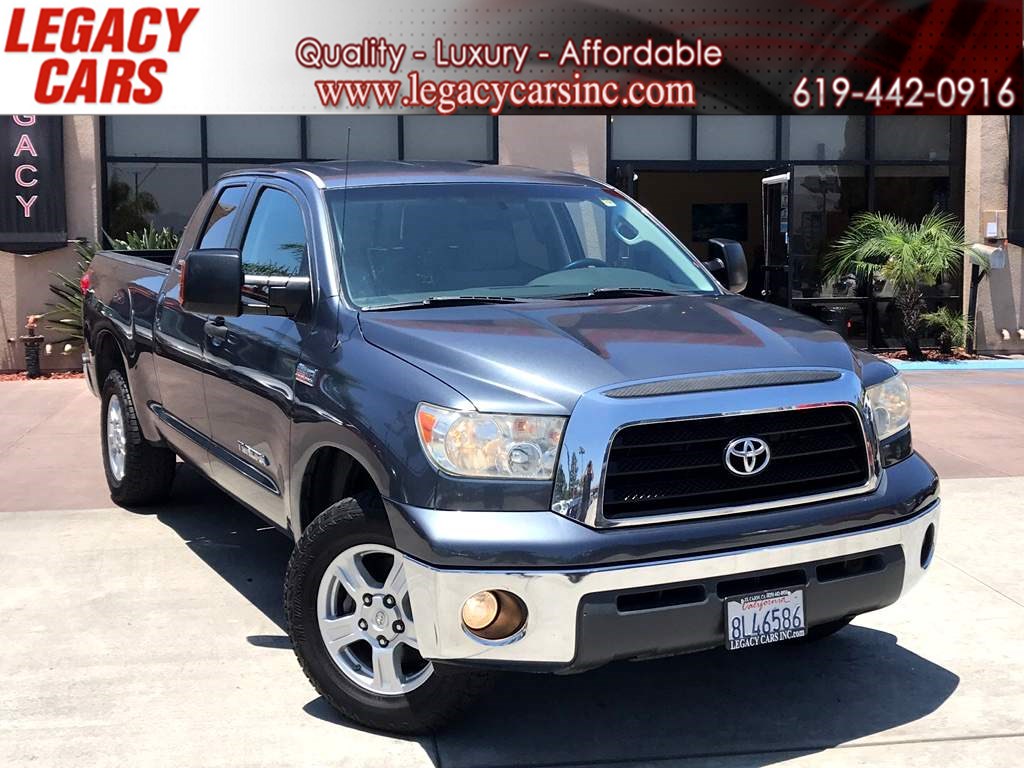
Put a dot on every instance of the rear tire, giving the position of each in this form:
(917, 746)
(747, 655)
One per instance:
(138, 473)
(327, 582)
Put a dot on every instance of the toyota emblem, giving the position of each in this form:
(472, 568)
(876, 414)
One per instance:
(746, 456)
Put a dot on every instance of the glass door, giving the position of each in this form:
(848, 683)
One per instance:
(775, 195)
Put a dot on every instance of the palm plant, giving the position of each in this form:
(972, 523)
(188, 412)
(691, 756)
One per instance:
(952, 329)
(908, 256)
(65, 315)
(147, 239)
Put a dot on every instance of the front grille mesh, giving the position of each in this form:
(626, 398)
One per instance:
(678, 466)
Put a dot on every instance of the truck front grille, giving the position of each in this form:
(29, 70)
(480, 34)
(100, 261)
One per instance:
(671, 467)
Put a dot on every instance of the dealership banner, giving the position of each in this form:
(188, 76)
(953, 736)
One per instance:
(480, 56)
(32, 216)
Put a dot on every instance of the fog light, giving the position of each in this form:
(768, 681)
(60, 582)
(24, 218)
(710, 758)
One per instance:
(493, 614)
(480, 610)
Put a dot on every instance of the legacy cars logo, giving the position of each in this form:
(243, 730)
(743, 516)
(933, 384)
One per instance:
(746, 456)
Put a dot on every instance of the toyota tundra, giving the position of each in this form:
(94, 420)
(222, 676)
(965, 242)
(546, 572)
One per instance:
(510, 422)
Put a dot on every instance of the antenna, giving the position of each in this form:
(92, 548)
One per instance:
(341, 232)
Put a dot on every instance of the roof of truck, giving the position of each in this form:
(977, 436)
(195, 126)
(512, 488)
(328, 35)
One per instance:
(374, 173)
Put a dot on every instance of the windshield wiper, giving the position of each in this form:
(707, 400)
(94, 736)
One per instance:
(615, 293)
(445, 301)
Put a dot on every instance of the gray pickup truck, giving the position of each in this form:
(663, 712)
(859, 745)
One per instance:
(510, 422)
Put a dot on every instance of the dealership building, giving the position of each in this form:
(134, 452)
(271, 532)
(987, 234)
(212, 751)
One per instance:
(748, 178)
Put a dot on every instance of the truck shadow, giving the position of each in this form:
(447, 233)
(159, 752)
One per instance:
(757, 706)
(247, 552)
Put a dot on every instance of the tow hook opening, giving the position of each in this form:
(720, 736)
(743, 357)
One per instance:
(493, 614)
(928, 546)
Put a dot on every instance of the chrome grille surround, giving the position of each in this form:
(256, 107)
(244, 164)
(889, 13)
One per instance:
(586, 444)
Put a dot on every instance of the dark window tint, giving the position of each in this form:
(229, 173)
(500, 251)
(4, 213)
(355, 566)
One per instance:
(911, 191)
(275, 241)
(241, 136)
(823, 200)
(143, 195)
(218, 223)
(154, 136)
(912, 137)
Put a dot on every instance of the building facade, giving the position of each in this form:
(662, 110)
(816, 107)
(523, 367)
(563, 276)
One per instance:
(704, 176)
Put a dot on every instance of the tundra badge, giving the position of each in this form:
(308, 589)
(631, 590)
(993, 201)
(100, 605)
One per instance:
(250, 452)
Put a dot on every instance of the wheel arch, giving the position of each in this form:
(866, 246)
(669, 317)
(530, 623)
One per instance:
(108, 356)
(331, 473)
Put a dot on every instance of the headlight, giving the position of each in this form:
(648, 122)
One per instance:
(489, 445)
(890, 406)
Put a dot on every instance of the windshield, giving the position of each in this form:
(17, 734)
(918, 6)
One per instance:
(421, 242)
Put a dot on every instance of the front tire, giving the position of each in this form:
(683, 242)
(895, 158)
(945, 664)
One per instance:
(353, 629)
(138, 473)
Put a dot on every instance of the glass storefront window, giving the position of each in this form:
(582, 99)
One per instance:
(823, 200)
(162, 136)
(140, 195)
(374, 137)
(735, 137)
(910, 191)
(216, 170)
(901, 165)
(436, 137)
(823, 137)
(887, 323)
(163, 192)
(912, 137)
(656, 137)
(847, 318)
(269, 136)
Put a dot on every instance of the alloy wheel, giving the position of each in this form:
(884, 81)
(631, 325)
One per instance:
(366, 621)
(117, 440)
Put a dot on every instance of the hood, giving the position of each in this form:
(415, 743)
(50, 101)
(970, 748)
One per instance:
(539, 357)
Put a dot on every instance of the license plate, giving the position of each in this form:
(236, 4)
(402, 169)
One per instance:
(765, 617)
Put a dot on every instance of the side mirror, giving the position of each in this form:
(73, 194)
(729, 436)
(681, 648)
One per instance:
(275, 295)
(211, 282)
(727, 262)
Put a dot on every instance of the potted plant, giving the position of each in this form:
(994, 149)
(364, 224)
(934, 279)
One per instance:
(907, 256)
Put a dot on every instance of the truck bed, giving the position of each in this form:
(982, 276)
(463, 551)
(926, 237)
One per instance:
(153, 259)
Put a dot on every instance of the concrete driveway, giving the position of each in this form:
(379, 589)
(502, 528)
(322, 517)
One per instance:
(156, 638)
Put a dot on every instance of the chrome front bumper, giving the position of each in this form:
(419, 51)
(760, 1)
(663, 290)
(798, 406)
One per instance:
(553, 598)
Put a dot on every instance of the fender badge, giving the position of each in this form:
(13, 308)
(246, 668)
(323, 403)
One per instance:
(305, 374)
(249, 452)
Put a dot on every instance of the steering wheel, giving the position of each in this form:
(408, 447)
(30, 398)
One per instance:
(582, 263)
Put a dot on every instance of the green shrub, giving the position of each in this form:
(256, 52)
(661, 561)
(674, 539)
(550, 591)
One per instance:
(64, 316)
(148, 239)
(952, 329)
(908, 256)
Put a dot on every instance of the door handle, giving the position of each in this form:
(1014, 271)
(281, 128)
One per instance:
(216, 329)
